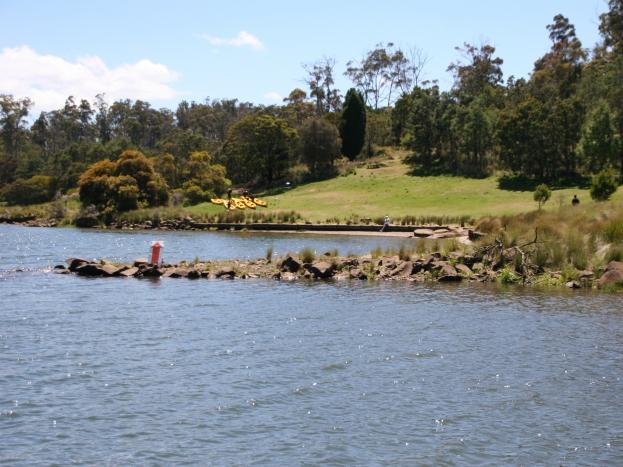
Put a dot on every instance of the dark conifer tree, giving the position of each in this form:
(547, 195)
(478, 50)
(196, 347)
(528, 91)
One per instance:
(353, 124)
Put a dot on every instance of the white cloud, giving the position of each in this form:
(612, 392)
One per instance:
(48, 79)
(273, 96)
(243, 39)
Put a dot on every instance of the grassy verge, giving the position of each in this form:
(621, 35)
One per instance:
(382, 186)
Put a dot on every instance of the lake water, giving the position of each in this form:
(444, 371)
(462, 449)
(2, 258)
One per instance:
(127, 371)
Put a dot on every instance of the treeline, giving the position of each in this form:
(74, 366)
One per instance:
(564, 121)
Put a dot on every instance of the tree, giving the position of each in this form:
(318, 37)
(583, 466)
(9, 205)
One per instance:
(205, 179)
(599, 144)
(259, 148)
(319, 146)
(611, 26)
(353, 124)
(37, 189)
(423, 135)
(321, 85)
(604, 184)
(542, 194)
(384, 72)
(297, 106)
(481, 70)
(474, 133)
(13, 113)
(124, 184)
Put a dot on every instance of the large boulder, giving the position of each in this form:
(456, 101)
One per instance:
(150, 271)
(322, 269)
(613, 274)
(90, 269)
(75, 263)
(176, 273)
(129, 272)
(193, 274)
(402, 268)
(111, 270)
(226, 272)
(291, 264)
(446, 272)
(357, 273)
(463, 270)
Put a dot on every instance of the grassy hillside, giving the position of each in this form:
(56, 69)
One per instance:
(389, 190)
(372, 189)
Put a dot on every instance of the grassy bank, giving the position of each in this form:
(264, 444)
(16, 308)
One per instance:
(383, 186)
(366, 192)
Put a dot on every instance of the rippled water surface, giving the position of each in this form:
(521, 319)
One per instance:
(128, 371)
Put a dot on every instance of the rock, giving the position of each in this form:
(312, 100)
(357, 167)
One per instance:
(586, 275)
(423, 232)
(291, 264)
(573, 285)
(59, 266)
(446, 234)
(277, 276)
(450, 278)
(473, 235)
(176, 273)
(225, 273)
(129, 272)
(193, 274)
(446, 271)
(75, 263)
(463, 270)
(140, 261)
(417, 266)
(322, 269)
(403, 268)
(289, 276)
(90, 269)
(357, 273)
(349, 263)
(613, 274)
(478, 267)
(150, 271)
(112, 270)
(61, 271)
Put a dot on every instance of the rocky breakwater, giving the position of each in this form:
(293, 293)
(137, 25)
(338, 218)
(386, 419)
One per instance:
(482, 265)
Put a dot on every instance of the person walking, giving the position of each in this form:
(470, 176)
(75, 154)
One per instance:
(385, 224)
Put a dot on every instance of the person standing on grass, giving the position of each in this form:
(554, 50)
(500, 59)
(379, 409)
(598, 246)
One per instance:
(229, 198)
(575, 201)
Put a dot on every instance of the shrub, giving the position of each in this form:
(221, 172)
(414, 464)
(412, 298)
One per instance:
(604, 184)
(613, 231)
(542, 194)
(87, 217)
(307, 255)
(122, 185)
(508, 276)
(34, 190)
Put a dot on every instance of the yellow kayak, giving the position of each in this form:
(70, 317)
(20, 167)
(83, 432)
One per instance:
(260, 202)
(248, 202)
(218, 201)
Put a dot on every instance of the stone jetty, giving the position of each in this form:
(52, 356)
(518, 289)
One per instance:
(438, 267)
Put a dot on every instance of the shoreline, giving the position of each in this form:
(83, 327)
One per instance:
(464, 235)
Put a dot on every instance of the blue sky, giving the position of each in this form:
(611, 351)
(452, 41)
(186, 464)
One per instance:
(166, 51)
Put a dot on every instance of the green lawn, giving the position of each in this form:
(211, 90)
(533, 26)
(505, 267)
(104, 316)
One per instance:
(389, 190)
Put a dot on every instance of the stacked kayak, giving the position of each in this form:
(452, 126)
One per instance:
(242, 202)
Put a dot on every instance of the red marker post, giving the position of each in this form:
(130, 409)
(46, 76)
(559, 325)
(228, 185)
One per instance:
(155, 251)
